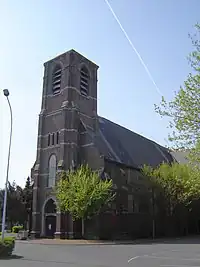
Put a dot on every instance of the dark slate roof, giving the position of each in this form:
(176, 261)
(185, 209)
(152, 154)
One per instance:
(124, 146)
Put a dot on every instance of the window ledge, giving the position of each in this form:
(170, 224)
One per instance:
(54, 146)
(50, 187)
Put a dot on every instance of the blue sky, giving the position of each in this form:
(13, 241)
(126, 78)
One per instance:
(32, 32)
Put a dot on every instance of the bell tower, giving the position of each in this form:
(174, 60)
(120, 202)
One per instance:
(69, 107)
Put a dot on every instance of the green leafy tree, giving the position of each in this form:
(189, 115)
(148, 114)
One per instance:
(183, 111)
(82, 193)
(179, 183)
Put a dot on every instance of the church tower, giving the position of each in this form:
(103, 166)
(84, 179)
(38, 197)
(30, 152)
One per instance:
(69, 108)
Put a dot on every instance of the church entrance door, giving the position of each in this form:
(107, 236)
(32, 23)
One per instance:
(50, 226)
(50, 218)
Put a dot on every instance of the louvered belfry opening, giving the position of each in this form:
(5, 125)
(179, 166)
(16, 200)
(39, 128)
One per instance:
(84, 81)
(56, 83)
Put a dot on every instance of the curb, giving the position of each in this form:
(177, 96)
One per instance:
(84, 242)
(67, 242)
(64, 242)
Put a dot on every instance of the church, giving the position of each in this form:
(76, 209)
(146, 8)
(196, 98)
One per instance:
(71, 133)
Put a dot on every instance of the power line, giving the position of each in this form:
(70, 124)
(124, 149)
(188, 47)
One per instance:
(134, 48)
(136, 51)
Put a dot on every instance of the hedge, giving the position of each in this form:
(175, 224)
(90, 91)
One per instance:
(7, 246)
(16, 229)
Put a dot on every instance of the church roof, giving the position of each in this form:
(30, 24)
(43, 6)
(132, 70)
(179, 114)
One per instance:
(180, 156)
(124, 146)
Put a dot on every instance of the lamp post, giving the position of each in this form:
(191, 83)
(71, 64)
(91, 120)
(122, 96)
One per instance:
(6, 93)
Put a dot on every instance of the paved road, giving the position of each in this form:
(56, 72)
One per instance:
(172, 254)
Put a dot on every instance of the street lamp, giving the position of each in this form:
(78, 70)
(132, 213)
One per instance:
(6, 93)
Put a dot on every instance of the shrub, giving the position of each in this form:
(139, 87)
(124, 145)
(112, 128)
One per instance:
(16, 229)
(7, 247)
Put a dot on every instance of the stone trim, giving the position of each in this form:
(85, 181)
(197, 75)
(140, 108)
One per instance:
(68, 130)
(84, 132)
(72, 88)
(90, 144)
(52, 113)
(57, 111)
(83, 114)
(66, 143)
(49, 147)
(60, 130)
(86, 126)
(63, 143)
(69, 143)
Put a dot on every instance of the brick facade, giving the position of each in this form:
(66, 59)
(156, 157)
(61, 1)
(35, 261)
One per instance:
(67, 112)
(68, 128)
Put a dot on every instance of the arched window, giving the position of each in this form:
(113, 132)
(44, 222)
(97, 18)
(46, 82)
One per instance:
(49, 139)
(57, 138)
(52, 171)
(56, 79)
(84, 81)
(53, 139)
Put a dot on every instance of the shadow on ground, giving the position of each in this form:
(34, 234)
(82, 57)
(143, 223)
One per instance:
(12, 257)
(175, 240)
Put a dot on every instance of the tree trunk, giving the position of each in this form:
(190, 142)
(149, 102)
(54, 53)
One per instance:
(97, 230)
(153, 214)
(30, 223)
(83, 227)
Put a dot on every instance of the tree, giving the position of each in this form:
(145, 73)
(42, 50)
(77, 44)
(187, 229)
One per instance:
(27, 198)
(82, 193)
(19, 203)
(179, 183)
(15, 207)
(183, 111)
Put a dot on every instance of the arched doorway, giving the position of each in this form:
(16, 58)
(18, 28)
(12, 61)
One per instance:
(50, 218)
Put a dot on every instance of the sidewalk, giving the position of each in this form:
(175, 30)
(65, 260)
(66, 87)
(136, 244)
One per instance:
(64, 242)
(96, 242)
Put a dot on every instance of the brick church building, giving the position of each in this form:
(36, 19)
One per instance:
(71, 133)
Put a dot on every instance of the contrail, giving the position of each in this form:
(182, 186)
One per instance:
(133, 47)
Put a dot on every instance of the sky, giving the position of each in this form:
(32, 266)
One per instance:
(32, 32)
